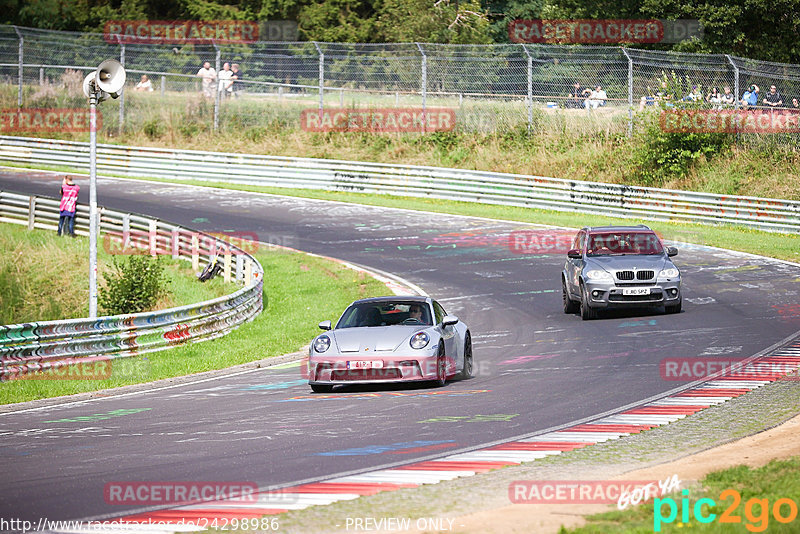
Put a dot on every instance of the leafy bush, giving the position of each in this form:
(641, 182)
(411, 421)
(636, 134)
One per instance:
(154, 129)
(133, 286)
(661, 155)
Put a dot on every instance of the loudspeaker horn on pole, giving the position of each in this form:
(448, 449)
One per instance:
(110, 77)
(88, 84)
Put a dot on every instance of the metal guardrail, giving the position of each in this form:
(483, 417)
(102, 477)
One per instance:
(414, 181)
(50, 345)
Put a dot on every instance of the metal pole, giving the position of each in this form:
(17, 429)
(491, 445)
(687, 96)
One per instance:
(21, 54)
(530, 88)
(163, 84)
(216, 91)
(321, 77)
(630, 92)
(122, 93)
(735, 81)
(93, 204)
(424, 84)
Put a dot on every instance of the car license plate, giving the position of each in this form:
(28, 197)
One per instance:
(636, 291)
(365, 364)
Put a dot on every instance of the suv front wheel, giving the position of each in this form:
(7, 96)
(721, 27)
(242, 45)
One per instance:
(587, 312)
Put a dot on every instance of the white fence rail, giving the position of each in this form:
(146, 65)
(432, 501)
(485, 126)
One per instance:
(53, 345)
(415, 181)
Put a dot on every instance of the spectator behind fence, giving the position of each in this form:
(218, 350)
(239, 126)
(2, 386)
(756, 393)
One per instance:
(795, 103)
(714, 97)
(575, 100)
(750, 97)
(727, 98)
(68, 206)
(651, 99)
(208, 74)
(694, 95)
(238, 86)
(773, 98)
(144, 84)
(225, 77)
(596, 98)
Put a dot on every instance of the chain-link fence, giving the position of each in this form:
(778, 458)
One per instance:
(490, 87)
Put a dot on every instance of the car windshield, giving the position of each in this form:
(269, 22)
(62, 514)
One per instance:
(385, 314)
(618, 243)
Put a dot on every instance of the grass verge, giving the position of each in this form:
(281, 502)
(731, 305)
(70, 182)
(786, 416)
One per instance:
(299, 291)
(758, 491)
(44, 277)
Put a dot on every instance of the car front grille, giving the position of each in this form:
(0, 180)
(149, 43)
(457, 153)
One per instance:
(367, 374)
(638, 275)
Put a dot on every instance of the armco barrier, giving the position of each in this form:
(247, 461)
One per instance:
(49, 345)
(416, 181)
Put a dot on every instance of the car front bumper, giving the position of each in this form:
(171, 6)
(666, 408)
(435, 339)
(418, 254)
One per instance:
(604, 294)
(341, 369)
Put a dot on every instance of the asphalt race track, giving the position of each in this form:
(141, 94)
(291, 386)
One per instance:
(536, 367)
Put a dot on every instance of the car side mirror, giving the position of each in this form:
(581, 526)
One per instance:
(672, 251)
(574, 254)
(449, 320)
(325, 325)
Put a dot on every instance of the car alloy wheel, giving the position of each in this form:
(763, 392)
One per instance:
(441, 367)
(586, 311)
(570, 306)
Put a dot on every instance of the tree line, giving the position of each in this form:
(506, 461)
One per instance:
(758, 29)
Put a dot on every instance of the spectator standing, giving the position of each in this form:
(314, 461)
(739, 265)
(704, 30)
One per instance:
(225, 80)
(208, 74)
(795, 103)
(575, 100)
(596, 98)
(68, 206)
(238, 75)
(144, 84)
(773, 98)
(750, 97)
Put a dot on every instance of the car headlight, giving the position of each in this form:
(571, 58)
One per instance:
(322, 343)
(598, 275)
(670, 273)
(419, 340)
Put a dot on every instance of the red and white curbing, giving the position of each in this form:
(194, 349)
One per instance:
(632, 421)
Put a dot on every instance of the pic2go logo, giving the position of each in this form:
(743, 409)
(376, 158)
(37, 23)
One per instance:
(758, 521)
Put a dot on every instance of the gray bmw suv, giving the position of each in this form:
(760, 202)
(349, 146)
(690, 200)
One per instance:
(619, 266)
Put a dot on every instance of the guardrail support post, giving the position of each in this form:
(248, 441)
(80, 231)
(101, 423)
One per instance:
(226, 271)
(126, 230)
(248, 272)
(175, 243)
(41, 76)
(153, 234)
(239, 267)
(31, 212)
(163, 84)
(195, 252)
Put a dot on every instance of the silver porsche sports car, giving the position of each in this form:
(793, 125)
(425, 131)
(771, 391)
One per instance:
(390, 339)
